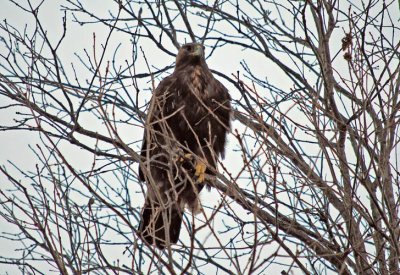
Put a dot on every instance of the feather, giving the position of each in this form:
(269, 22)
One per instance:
(186, 131)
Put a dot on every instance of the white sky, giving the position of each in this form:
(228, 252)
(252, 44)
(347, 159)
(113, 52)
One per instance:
(77, 39)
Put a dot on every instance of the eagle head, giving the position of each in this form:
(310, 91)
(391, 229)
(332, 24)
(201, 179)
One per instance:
(190, 54)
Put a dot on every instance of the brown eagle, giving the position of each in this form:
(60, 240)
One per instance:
(186, 129)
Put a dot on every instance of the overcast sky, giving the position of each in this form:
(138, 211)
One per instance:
(15, 144)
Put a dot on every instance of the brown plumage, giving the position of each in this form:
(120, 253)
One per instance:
(186, 130)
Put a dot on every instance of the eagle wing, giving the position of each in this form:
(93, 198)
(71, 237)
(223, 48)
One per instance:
(154, 114)
(162, 212)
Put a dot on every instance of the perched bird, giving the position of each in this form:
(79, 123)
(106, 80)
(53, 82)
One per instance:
(186, 128)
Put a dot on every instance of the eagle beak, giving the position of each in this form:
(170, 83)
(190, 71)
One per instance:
(198, 50)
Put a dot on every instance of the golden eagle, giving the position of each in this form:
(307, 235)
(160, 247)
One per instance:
(185, 133)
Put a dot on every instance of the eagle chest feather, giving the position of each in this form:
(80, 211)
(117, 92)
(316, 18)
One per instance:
(188, 103)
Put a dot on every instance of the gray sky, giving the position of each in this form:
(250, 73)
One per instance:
(15, 144)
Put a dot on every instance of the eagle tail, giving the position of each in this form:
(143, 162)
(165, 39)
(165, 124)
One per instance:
(161, 226)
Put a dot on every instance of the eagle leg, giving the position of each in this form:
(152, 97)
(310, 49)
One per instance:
(200, 171)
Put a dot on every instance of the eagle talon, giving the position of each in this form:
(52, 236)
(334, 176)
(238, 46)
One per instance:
(185, 157)
(200, 171)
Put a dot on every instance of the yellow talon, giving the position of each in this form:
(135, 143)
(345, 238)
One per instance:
(187, 156)
(200, 171)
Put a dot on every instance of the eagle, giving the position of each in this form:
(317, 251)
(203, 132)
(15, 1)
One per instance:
(185, 134)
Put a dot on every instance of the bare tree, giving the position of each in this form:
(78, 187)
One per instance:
(310, 183)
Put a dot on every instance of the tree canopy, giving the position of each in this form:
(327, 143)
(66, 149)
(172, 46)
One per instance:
(310, 182)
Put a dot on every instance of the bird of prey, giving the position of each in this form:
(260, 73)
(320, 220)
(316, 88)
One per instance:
(186, 128)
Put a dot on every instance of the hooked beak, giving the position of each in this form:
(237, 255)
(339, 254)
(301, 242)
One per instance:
(198, 50)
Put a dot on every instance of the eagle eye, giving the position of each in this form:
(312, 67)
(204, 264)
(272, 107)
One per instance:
(189, 48)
